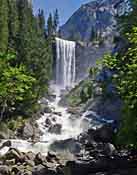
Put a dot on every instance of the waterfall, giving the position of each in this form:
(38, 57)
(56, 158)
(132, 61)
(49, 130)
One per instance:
(65, 63)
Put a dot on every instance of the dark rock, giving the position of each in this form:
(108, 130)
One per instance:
(47, 110)
(29, 130)
(55, 129)
(10, 162)
(104, 134)
(28, 173)
(42, 170)
(6, 144)
(30, 163)
(15, 169)
(3, 135)
(39, 159)
(57, 113)
(30, 156)
(51, 157)
(15, 154)
(4, 170)
(71, 145)
(48, 122)
(109, 149)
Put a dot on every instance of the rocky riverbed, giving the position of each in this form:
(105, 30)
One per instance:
(97, 156)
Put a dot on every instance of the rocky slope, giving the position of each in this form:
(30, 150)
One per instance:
(94, 20)
(97, 156)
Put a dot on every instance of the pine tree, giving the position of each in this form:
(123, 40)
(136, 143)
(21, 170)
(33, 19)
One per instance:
(93, 34)
(56, 20)
(13, 23)
(4, 33)
(25, 30)
(41, 22)
(50, 26)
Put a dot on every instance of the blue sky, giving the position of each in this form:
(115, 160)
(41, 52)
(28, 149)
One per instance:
(66, 7)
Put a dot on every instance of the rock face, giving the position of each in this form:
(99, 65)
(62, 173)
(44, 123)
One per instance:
(94, 19)
(86, 56)
(93, 27)
(29, 130)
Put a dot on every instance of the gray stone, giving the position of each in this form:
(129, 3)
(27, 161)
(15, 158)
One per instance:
(55, 129)
(15, 154)
(39, 159)
(4, 170)
(3, 135)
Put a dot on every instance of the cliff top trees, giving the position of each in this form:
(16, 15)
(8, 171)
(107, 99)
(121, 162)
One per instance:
(4, 31)
(53, 23)
(56, 20)
(13, 23)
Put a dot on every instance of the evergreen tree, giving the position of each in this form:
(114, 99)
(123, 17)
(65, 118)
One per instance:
(93, 34)
(4, 33)
(56, 20)
(50, 25)
(25, 33)
(41, 22)
(13, 23)
(25, 30)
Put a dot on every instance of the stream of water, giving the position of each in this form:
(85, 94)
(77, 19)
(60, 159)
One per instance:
(66, 126)
(59, 126)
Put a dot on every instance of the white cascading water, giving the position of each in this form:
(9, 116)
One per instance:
(70, 127)
(65, 63)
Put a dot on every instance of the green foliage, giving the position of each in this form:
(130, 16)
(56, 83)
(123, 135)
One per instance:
(124, 68)
(50, 26)
(56, 20)
(53, 24)
(86, 91)
(16, 86)
(125, 78)
(4, 33)
(41, 22)
(13, 124)
(13, 23)
(24, 76)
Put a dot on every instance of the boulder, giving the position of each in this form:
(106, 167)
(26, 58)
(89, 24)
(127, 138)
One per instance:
(30, 156)
(48, 122)
(6, 144)
(4, 170)
(39, 170)
(29, 130)
(109, 149)
(47, 110)
(15, 154)
(3, 135)
(10, 162)
(56, 129)
(69, 145)
(19, 170)
(51, 157)
(30, 163)
(57, 113)
(104, 134)
(39, 159)
(28, 173)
